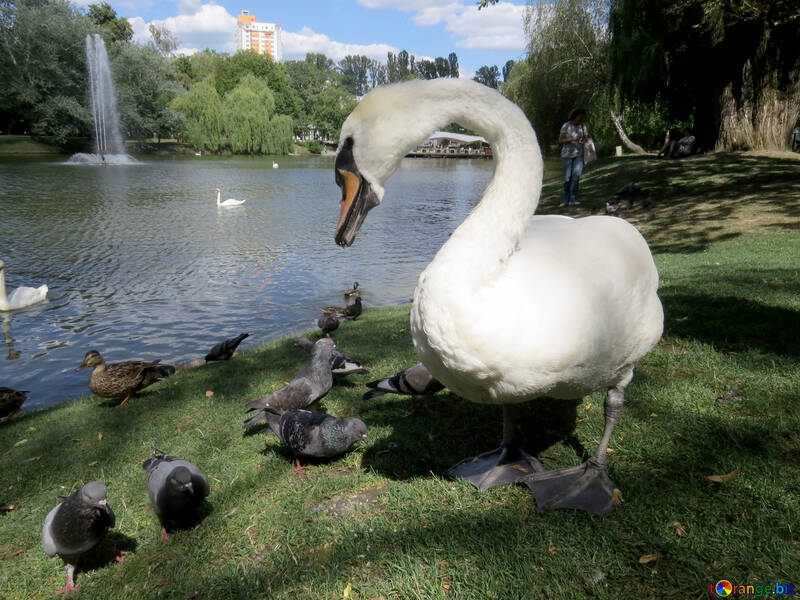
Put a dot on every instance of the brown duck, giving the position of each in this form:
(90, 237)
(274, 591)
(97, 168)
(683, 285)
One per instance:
(122, 379)
(11, 402)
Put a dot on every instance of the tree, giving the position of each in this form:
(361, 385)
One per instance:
(330, 108)
(566, 67)
(244, 62)
(377, 73)
(163, 39)
(41, 72)
(488, 76)
(453, 60)
(321, 62)
(246, 113)
(354, 70)
(730, 66)
(427, 69)
(400, 67)
(507, 69)
(203, 110)
(115, 29)
(146, 82)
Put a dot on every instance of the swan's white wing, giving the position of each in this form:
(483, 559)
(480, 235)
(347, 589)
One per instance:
(573, 311)
(26, 296)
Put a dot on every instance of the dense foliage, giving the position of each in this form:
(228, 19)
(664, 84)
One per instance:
(731, 66)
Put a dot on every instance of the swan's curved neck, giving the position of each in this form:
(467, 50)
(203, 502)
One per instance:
(3, 297)
(218, 195)
(479, 247)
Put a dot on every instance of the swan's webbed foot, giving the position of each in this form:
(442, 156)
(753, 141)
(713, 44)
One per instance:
(506, 464)
(585, 487)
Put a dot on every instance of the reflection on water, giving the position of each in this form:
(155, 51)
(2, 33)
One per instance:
(141, 263)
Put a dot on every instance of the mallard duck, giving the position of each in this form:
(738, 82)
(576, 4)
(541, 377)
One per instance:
(11, 402)
(22, 296)
(351, 311)
(566, 319)
(352, 294)
(122, 379)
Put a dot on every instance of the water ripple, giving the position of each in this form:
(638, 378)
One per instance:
(142, 264)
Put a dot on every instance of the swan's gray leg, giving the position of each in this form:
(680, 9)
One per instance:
(507, 464)
(587, 486)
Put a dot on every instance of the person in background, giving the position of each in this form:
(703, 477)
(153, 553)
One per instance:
(573, 136)
(676, 147)
(796, 139)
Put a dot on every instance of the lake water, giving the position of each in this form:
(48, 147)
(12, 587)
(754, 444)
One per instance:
(141, 264)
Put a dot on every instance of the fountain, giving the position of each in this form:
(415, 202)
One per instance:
(108, 146)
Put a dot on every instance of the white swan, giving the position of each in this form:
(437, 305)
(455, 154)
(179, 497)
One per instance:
(20, 297)
(229, 202)
(575, 302)
(274, 165)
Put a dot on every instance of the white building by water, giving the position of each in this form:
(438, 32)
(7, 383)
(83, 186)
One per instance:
(263, 38)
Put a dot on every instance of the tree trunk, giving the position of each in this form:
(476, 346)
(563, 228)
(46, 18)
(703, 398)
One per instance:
(635, 148)
(760, 119)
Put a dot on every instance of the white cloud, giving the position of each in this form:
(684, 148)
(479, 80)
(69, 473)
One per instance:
(209, 26)
(497, 27)
(297, 44)
(404, 5)
(433, 15)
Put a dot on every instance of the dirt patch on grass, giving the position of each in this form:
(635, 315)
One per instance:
(343, 504)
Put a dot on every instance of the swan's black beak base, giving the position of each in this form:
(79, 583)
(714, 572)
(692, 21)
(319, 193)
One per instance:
(357, 196)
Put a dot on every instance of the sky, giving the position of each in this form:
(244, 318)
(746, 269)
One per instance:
(425, 28)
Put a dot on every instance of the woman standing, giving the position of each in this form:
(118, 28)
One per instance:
(573, 136)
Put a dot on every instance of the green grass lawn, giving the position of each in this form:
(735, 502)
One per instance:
(719, 395)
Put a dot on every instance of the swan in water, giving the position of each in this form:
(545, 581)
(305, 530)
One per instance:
(229, 201)
(575, 300)
(20, 297)
(274, 165)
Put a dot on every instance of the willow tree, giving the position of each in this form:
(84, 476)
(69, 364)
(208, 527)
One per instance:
(731, 66)
(566, 67)
(246, 111)
(202, 106)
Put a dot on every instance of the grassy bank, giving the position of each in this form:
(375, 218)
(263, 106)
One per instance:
(718, 396)
(23, 145)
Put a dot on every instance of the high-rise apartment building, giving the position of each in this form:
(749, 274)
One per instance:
(264, 38)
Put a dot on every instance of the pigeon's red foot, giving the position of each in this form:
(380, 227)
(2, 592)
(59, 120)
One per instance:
(299, 468)
(118, 554)
(67, 588)
(164, 536)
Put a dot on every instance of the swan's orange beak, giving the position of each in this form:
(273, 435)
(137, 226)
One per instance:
(358, 197)
(351, 183)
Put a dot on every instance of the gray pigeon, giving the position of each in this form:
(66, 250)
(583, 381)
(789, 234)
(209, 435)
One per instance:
(224, 350)
(176, 488)
(311, 384)
(76, 526)
(315, 434)
(341, 364)
(413, 381)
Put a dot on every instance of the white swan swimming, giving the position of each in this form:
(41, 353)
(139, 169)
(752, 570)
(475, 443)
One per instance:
(274, 165)
(20, 297)
(229, 202)
(575, 302)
